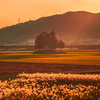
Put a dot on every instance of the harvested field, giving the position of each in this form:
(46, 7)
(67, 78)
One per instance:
(15, 68)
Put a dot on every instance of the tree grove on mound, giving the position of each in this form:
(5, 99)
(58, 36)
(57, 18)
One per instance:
(47, 41)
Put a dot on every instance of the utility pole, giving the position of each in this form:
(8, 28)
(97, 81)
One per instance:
(18, 20)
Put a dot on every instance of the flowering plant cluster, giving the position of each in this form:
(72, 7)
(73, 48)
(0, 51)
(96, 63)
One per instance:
(43, 86)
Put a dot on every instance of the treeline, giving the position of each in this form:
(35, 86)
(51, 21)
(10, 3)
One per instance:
(48, 41)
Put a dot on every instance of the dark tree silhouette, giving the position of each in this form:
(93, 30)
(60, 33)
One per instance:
(52, 41)
(61, 44)
(47, 40)
(41, 41)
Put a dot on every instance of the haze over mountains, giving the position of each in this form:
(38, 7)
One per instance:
(78, 27)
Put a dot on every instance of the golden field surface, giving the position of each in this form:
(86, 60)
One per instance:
(93, 60)
(70, 57)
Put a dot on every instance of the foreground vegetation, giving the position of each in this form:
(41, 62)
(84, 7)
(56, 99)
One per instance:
(42, 86)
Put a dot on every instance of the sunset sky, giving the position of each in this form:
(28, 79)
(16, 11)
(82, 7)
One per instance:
(11, 10)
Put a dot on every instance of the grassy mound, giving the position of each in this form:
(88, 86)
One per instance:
(49, 52)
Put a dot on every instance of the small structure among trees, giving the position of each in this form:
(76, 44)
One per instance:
(49, 41)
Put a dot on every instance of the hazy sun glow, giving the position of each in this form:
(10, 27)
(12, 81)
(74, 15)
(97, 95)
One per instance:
(11, 10)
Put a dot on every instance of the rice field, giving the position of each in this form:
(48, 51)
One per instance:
(44, 86)
(70, 57)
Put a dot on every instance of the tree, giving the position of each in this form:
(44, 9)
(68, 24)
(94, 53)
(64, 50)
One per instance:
(52, 41)
(41, 40)
(61, 44)
(47, 40)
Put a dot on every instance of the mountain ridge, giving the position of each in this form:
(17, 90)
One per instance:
(74, 25)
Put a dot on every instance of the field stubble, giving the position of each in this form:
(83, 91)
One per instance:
(15, 68)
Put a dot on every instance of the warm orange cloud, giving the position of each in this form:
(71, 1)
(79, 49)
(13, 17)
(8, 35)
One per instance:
(11, 10)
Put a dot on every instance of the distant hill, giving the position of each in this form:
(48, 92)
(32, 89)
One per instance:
(73, 25)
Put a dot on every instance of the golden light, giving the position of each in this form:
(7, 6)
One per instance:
(11, 10)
